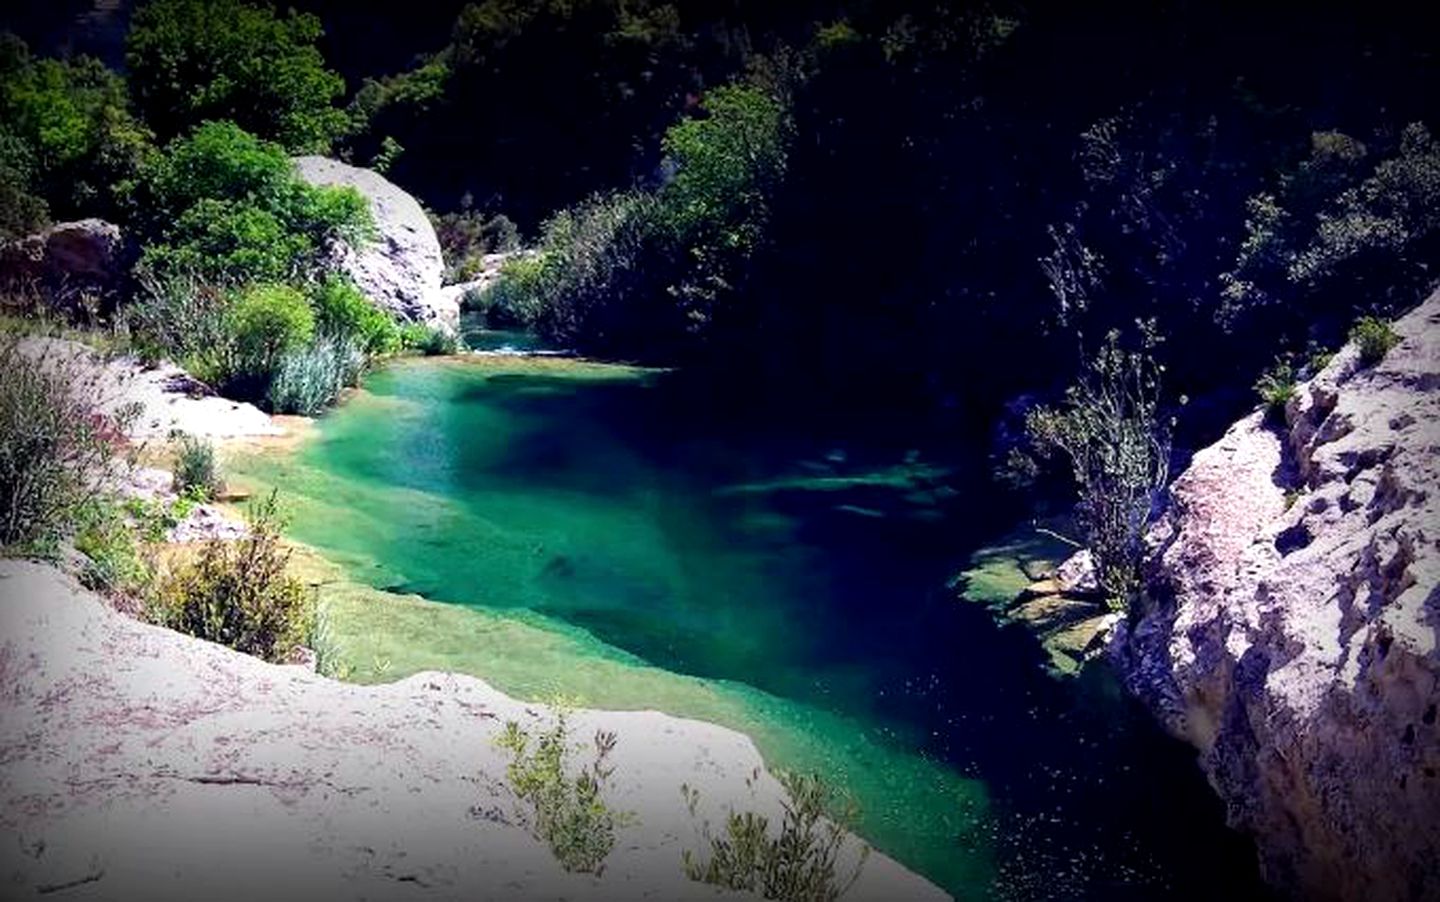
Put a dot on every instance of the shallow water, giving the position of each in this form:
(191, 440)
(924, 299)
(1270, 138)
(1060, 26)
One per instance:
(787, 579)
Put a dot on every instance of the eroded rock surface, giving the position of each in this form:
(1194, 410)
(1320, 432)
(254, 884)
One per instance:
(1296, 579)
(402, 269)
(137, 763)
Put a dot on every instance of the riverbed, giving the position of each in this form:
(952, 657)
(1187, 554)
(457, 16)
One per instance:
(607, 535)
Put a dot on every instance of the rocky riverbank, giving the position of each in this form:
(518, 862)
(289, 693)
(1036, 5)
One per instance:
(1296, 587)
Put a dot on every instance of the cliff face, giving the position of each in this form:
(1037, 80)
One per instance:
(138, 763)
(1295, 580)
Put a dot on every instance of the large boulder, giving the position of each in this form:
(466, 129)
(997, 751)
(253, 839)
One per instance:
(1295, 579)
(402, 269)
(67, 261)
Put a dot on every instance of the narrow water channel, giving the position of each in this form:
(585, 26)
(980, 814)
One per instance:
(795, 565)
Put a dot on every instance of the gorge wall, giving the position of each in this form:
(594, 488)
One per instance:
(1294, 589)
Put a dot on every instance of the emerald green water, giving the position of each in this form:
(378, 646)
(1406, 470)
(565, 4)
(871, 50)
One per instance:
(612, 536)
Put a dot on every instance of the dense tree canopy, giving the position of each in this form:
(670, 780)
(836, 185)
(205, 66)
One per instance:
(193, 60)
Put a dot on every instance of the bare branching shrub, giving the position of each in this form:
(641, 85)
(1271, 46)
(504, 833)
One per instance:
(800, 864)
(56, 446)
(1111, 430)
(569, 813)
(237, 593)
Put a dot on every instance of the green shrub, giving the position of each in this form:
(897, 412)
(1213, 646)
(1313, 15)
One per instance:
(467, 235)
(180, 316)
(1374, 338)
(266, 323)
(237, 593)
(798, 865)
(70, 141)
(431, 341)
(310, 379)
(197, 60)
(223, 206)
(1276, 386)
(108, 540)
(343, 312)
(54, 444)
(1111, 432)
(569, 813)
(196, 472)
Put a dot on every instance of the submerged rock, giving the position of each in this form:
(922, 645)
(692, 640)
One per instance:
(402, 269)
(1295, 585)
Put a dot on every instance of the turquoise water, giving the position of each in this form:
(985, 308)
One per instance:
(796, 565)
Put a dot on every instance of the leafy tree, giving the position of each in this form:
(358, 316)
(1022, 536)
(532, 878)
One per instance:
(268, 322)
(197, 60)
(229, 207)
(69, 139)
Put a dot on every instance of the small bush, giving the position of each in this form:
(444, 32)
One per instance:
(310, 379)
(569, 813)
(1374, 338)
(266, 323)
(342, 311)
(238, 593)
(180, 316)
(108, 540)
(798, 865)
(196, 472)
(1276, 386)
(54, 444)
(432, 341)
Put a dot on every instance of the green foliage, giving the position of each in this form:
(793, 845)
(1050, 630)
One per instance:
(114, 562)
(1374, 338)
(431, 341)
(238, 593)
(1111, 432)
(310, 378)
(798, 865)
(343, 312)
(68, 141)
(467, 235)
(197, 60)
(1276, 386)
(196, 472)
(268, 322)
(569, 813)
(53, 444)
(225, 206)
(182, 317)
(1330, 234)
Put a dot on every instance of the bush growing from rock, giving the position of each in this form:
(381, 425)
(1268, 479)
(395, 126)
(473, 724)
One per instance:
(569, 813)
(1111, 431)
(798, 865)
(1276, 386)
(1373, 338)
(237, 593)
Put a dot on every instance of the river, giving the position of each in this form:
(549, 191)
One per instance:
(783, 575)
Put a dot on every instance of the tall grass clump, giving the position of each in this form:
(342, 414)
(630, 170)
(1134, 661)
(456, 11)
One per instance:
(798, 864)
(237, 593)
(312, 377)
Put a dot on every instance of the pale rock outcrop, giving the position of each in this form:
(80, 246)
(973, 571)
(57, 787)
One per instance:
(402, 269)
(1295, 589)
(138, 763)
